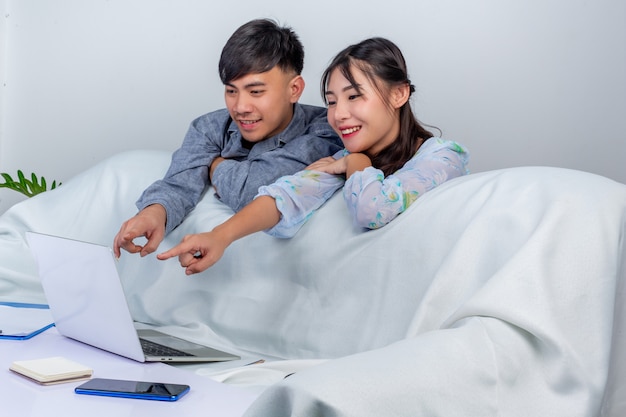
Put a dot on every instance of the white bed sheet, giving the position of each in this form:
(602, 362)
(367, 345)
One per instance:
(499, 293)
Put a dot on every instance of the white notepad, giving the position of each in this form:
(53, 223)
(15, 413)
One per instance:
(53, 370)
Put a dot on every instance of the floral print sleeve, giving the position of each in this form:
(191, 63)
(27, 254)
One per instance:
(298, 196)
(374, 200)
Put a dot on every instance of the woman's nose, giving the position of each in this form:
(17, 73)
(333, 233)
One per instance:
(341, 110)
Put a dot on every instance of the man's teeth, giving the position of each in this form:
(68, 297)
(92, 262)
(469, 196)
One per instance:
(350, 130)
(248, 122)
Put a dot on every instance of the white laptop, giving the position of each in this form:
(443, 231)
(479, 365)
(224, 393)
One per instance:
(86, 299)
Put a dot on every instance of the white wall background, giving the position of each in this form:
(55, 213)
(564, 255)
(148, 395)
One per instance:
(538, 82)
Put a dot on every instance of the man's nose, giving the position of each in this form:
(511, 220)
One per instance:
(242, 105)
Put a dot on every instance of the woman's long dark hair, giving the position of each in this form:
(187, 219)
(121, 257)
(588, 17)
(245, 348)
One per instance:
(382, 61)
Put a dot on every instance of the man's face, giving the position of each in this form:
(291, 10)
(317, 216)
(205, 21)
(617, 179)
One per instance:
(262, 103)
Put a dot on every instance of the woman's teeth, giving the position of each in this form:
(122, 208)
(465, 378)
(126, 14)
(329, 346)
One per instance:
(350, 130)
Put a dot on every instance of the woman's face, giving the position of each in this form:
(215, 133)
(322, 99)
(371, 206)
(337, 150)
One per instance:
(363, 120)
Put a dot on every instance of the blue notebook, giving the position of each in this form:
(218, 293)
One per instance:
(22, 321)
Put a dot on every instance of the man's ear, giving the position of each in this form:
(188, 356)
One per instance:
(296, 88)
(400, 94)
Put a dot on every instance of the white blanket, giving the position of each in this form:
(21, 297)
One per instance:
(499, 293)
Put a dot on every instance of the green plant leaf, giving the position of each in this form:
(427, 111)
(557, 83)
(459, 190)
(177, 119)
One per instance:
(27, 187)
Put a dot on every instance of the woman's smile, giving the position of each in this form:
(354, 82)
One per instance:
(349, 131)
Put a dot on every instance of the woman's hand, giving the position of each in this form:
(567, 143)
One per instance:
(202, 250)
(329, 165)
(197, 252)
(347, 165)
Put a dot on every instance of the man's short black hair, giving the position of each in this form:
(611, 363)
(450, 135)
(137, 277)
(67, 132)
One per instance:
(258, 46)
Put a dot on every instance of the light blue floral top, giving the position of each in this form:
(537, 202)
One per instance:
(373, 199)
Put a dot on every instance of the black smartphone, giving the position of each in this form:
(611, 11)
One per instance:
(133, 389)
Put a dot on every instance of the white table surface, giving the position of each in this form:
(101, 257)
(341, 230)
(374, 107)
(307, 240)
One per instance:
(21, 397)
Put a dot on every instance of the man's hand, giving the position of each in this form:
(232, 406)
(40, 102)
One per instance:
(197, 252)
(150, 223)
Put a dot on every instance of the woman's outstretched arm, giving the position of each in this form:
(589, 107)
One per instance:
(200, 251)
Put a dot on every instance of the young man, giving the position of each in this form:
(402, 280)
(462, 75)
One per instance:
(261, 135)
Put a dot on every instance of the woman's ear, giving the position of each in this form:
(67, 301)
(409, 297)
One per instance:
(296, 86)
(400, 94)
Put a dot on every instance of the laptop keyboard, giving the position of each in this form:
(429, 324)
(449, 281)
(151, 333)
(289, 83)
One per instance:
(155, 349)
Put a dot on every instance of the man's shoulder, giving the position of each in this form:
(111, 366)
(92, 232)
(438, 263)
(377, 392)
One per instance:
(315, 120)
(213, 124)
(215, 116)
(312, 113)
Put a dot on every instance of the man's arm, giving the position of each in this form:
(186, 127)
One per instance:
(186, 179)
(165, 203)
(214, 165)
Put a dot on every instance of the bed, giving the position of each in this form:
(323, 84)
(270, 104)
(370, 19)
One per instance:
(500, 293)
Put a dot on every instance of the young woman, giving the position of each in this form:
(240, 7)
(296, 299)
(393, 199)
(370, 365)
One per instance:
(389, 159)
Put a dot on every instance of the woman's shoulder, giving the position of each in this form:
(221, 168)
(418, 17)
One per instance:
(439, 149)
(435, 143)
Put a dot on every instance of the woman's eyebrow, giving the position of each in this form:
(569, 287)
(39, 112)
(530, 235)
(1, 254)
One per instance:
(343, 90)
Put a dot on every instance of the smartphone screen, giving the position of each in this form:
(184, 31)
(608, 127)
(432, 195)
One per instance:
(133, 389)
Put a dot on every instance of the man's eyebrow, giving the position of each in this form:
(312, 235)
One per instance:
(249, 85)
(254, 84)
